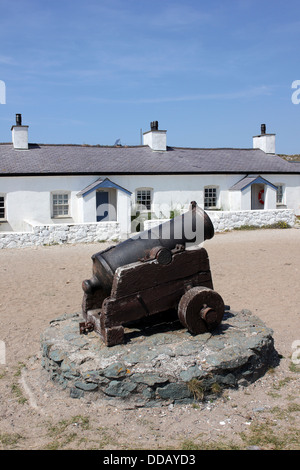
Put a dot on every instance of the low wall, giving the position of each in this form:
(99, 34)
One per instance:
(105, 231)
(60, 233)
(229, 220)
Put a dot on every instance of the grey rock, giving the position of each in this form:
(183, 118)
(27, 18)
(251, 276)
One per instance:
(191, 373)
(87, 387)
(120, 389)
(116, 370)
(174, 391)
(75, 393)
(149, 379)
(57, 356)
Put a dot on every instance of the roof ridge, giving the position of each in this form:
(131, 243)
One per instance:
(87, 145)
(213, 148)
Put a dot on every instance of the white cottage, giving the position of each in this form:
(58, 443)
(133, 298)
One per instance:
(48, 185)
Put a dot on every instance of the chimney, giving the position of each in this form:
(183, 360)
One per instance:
(155, 139)
(19, 134)
(264, 141)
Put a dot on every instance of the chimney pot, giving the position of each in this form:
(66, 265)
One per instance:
(263, 129)
(154, 125)
(18, 119)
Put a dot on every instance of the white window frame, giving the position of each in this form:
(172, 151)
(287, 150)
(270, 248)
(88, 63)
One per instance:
(141, 207)
(54, 195)
(282, 195)
(2, 219)
(216, 197)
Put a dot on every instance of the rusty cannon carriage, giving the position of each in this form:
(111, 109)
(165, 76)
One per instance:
(152, 272)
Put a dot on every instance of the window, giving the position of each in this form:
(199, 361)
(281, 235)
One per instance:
(2, 207)
(144, 199)
(60, 205)
(279, 195)
(210, 197)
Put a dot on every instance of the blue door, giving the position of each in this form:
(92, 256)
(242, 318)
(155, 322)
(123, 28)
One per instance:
(102, 200)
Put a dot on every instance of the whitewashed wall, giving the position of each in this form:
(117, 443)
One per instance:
(175, 191)
(39, 235)
(30, 197)
(229, 220)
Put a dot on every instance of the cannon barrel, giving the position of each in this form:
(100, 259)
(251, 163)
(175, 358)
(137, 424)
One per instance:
(192, 227)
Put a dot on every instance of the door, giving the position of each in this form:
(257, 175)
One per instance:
(257, 196)
(102, 206)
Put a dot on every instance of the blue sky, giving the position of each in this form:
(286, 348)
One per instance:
(94, 71)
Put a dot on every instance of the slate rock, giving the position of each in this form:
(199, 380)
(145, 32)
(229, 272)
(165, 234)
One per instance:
(87, 387)
(120, 389)
(174, 391)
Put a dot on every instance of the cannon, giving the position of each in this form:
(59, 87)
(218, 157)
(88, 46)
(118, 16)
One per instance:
(158, 270)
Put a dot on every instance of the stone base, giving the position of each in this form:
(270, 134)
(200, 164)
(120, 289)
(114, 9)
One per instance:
(161, 362)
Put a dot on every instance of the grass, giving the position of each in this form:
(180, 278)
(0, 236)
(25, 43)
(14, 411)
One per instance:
(200, 390)
(282, 383)
(62, 436)
(69, 434)
(189, 444)
(19, 369)
(98, 440)
(294, 367)
(267, 435)
(271, 435)
(17, 392)
(264, 436)
(278, 431)
(62, 425)
(196, 387)
(9, 440)
(278, 225)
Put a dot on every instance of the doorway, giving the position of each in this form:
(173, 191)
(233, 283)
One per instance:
(257, 196)
(102, 205)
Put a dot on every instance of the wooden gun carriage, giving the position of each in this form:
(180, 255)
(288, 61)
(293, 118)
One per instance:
(149, 274)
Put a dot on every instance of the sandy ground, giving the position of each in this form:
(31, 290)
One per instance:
(257, 270)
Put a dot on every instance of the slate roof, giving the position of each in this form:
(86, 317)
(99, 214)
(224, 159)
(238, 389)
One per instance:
(42, 159)
(101, 183)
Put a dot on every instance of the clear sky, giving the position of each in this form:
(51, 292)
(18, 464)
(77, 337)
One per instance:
(94, 71)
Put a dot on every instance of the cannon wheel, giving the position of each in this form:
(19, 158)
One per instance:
(200, 310)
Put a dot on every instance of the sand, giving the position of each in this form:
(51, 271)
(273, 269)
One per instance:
(256, 270)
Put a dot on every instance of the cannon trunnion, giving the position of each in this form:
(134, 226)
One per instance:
(168, 276)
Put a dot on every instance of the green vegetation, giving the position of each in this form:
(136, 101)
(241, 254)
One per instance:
(268, 437)
(278, 225)
(200, 389)
(17, 392)
(61, 434)
(9, 440)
